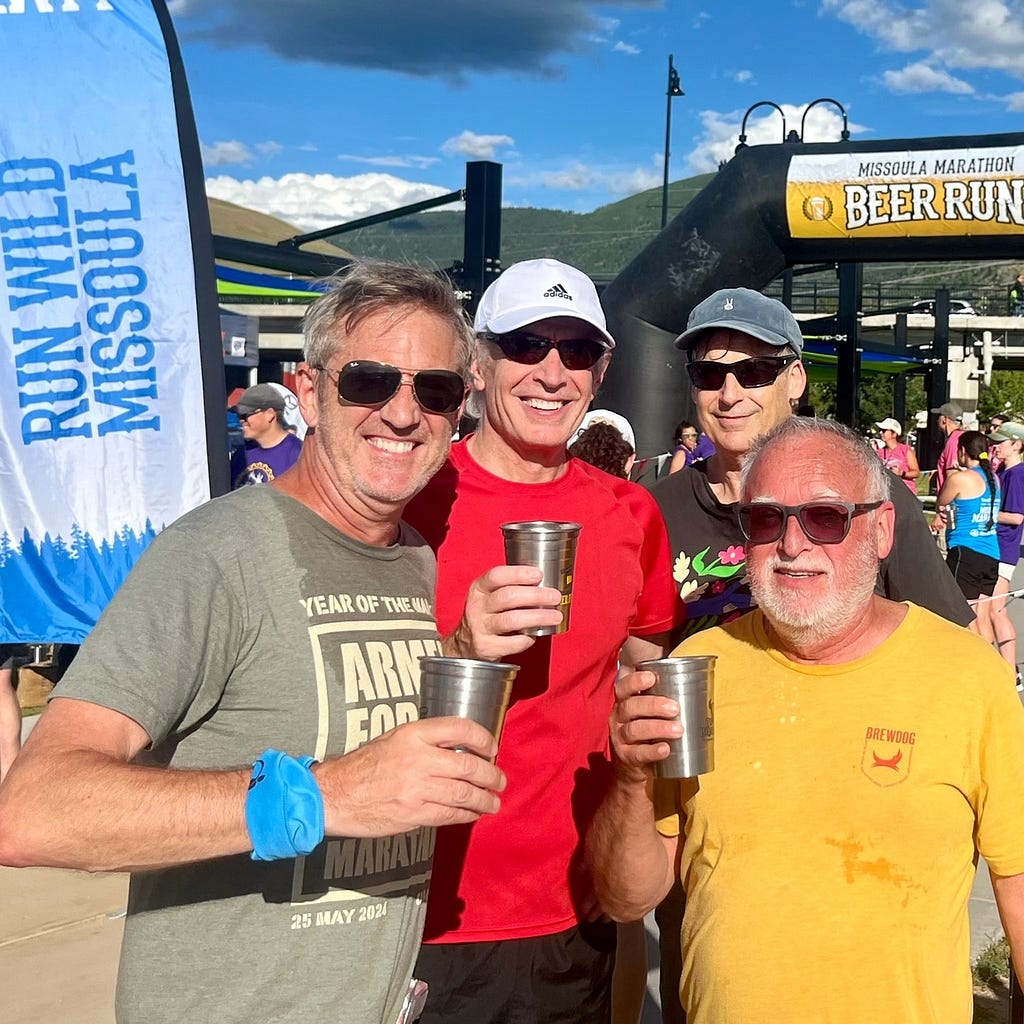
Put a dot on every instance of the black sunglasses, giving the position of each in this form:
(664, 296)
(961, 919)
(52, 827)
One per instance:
(824, 522)
(708, 375)
(362, 382)
(521, 347)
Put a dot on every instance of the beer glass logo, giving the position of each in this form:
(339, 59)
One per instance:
(818, 208)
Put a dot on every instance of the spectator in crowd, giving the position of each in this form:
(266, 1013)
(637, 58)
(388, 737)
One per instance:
(275, 622)
(691, 446)
(270, 447)
(968, 505)
(606, 440)
(743, 352)
(513, 929)
(1017, 296)
(867, 753)
(899, 458)
(950, 416)
(994, 423)
(1008, 441)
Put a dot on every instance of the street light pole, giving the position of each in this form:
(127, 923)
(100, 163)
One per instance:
(674, 89)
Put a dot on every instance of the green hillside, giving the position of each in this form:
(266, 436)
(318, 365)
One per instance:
(604, 241)
(601, 242)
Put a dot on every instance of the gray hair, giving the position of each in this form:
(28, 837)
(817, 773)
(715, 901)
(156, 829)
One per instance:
(366, 287)
(847, 443)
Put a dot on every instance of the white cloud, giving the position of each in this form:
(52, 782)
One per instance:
(988, 34)
(721, 130)
(222, 154)
(621, 47)
(314, 201)
(580, 177)
(1015, 102)
(744, 76)
(604, 29)
(392, 161)
(477, 147)
(922, 77)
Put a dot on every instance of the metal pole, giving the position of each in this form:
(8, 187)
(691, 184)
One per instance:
(481, 261)
(847, 350)
(1016, 999)
(673, 89)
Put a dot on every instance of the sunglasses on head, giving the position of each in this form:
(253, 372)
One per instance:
(362, 382)
(823, 522)
(759, 372)
(522, 347)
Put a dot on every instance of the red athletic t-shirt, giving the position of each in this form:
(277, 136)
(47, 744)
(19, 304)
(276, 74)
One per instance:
(509, 875)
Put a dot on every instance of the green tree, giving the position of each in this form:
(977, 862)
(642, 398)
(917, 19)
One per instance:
(1005, 395)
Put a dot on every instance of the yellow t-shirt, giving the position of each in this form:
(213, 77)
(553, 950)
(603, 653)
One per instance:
(829, 857)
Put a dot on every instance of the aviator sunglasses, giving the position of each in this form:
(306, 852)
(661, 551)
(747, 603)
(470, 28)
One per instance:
(363, 382)
(530, 349)
(759, 372)
(823, 522)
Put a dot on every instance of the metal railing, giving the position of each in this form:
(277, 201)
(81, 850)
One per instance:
(810, 296)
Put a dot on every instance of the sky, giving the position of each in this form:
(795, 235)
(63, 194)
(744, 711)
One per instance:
(324, 111)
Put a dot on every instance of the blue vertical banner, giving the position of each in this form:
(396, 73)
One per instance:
(107, 307)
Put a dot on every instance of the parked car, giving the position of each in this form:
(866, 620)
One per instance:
(957, 307)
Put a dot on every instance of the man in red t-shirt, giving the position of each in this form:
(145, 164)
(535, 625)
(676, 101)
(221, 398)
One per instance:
(513, 928)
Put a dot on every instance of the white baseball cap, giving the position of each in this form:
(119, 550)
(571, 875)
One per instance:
(537, 290)
(613, 419)
(890, 424)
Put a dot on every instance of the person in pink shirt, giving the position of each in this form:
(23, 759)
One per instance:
(950, 414)
(898, 457)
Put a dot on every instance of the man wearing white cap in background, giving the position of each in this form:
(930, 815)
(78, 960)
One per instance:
(606, 440)
(270, 448)
(513, 930)
(899, 458)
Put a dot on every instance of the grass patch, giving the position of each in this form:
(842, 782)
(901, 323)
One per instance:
(993, 963)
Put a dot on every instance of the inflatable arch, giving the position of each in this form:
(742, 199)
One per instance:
(773, 207)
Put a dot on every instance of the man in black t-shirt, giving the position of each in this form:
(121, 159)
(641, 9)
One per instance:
(737, 326)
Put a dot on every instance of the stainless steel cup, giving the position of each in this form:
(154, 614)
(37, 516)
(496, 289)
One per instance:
(551, 547)
(464, 688)
(691, 683)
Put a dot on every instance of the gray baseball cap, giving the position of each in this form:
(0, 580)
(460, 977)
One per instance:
(259, 396)
(746, 311)
(950, 410)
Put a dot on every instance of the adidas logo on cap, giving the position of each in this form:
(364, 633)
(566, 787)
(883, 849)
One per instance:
(557, 291)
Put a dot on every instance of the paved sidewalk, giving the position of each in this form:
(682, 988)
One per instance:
(60, 933)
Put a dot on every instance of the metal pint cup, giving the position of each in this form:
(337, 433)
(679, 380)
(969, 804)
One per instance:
(690, 682)
(464, 688)
(551, 547)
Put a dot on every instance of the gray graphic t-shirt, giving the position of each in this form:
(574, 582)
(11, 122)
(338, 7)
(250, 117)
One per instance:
(252, 623)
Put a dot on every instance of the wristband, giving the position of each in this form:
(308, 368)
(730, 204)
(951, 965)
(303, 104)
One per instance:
(284, 808)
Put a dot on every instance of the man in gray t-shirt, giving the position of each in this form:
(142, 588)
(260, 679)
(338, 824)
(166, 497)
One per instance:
(241, 728)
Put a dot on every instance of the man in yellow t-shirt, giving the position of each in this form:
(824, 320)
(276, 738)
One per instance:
(866, 752)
